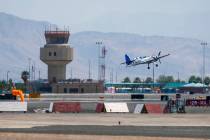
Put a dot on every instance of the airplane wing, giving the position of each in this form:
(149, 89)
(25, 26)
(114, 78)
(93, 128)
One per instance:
(163, 56)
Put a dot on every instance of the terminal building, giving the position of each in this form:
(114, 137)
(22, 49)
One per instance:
(57, 53)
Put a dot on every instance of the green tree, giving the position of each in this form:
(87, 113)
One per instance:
(25, 77)
(126, 80)
(148, 80)
(165, 79)
(207, 80)
(198, 79)
(3, 84)
(137, 80)
(192, 79)
(10, 84)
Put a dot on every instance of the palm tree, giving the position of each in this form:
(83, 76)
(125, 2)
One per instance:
(25, 76)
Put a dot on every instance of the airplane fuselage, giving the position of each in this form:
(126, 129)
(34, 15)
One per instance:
(142, 60)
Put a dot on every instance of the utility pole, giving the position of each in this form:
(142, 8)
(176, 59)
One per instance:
(99, 56)
(111, 76)
(203, 44)
(8, 76)
(153, 75)
(39, 74)
(89, 72)
(71, 74)
(29, 66)
(178, 77)
(34, 71)
(116, 77)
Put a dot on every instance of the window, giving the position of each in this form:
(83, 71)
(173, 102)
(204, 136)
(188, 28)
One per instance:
(54, 80)
(82, 90)
(65, 90)
(73, 90)
(54, 53)
(50, 54)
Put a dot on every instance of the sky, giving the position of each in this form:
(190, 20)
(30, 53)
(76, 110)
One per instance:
(180, 18)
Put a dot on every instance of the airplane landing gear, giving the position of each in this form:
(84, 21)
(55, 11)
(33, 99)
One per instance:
(156, 65)
(148, 67)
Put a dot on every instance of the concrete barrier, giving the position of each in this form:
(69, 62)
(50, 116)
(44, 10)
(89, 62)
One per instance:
(116, 107)
(140, 108)
(88, 107)
(100, 108)
(154, 108)
(38, 105)
(13, 106)
(66, 107)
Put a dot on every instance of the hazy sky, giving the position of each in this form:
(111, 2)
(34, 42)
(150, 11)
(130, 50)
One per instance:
(182, 18)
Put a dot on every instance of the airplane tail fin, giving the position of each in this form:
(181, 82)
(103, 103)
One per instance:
(159, 53)
(127, 59)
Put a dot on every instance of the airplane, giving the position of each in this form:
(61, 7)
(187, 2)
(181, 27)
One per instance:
(144, 60)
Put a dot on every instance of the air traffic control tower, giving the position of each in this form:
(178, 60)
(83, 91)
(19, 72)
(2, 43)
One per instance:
(56, 53)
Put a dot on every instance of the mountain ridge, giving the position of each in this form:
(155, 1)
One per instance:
(20, 41)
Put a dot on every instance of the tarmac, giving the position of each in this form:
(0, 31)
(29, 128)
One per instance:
(114, 124)
(92, 126)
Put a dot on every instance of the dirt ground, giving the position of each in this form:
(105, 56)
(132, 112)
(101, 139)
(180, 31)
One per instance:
(20, 136)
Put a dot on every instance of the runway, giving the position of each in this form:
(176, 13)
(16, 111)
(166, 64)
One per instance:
(154, 131)
(173, 125)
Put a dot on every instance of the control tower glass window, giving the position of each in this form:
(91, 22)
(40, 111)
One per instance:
(57, 37)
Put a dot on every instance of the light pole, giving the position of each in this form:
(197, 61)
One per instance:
(7, 76)
(178, 78)
(203, 44)
(99, 57)
(153, 75)
(29, 67)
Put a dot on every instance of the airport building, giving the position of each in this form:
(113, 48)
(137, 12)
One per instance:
(57, 53)
(84, 86)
